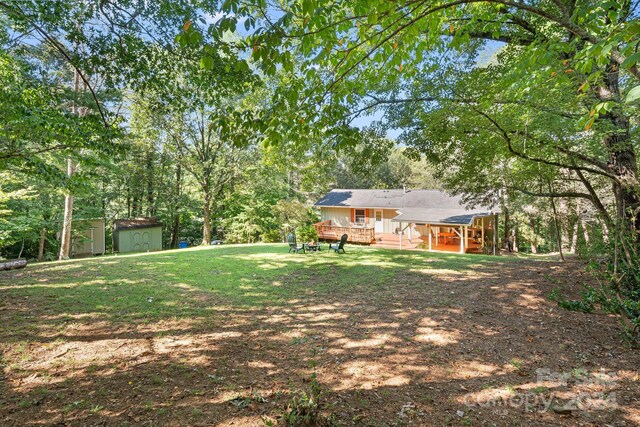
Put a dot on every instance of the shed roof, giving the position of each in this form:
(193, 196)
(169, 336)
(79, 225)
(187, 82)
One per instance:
(422, 206)
(133, 223)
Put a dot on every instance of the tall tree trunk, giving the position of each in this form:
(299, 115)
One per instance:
(534, 246)
(623, 162)
(128, 200)
(150, 183)
(565, 223)
(206, 217)
(135, 205)
(43, 239)
(580, 223)
(585, 232)
(175, 225)
(574, 237)
(507, 230)
(65, 238)
(557, 224)
(65, 244)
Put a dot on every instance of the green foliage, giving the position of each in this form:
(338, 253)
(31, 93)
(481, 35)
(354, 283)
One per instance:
(619, 293)
(37, 128)
(586, 304)
(304, 409)
(306, 233)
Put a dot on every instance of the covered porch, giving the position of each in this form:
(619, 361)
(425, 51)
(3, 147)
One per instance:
(443, 231)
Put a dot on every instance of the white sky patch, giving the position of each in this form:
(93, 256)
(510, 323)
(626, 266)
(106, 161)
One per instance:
(212, 19)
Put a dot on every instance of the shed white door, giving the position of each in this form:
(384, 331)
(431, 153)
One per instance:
(379, 228)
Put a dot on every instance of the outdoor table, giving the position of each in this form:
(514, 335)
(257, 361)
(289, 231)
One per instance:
(311, 248)
(447, 236)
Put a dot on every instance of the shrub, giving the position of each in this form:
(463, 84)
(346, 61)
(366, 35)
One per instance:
(306, 233)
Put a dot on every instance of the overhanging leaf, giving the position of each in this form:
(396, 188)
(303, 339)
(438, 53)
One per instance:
(633, 94)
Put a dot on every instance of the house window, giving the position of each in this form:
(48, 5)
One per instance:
(360, 216)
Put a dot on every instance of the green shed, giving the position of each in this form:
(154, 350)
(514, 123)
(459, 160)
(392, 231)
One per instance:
(137, 235)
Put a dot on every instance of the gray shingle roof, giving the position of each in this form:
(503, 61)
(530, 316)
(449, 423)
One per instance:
(421, 206)
(439, 216)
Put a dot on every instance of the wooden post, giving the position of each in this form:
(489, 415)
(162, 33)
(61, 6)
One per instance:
(400, 233)
(461, 240)
(466, 237)
(482, 232)
(437, 232)
(429, 231)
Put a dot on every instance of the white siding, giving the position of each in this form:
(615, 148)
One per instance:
(389, 226)
(340, 216)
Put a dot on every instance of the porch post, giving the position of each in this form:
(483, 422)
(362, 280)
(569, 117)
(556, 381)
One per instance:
(482, 232)
(466, 236)
(400, 233)
(437, 232)
(461, 240)
(429, 231)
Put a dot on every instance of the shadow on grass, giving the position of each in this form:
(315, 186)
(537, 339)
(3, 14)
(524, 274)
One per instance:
(224, 335)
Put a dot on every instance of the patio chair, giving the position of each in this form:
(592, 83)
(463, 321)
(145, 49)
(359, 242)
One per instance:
(293, 245)
(337, 247)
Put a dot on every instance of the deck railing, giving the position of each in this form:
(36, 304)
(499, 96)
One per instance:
(327, 231)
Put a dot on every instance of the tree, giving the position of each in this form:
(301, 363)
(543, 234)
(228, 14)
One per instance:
(585, 44)
(199, 112)
(360, 56)
(105, 46)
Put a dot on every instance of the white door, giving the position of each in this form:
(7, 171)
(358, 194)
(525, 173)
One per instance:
(379, 223)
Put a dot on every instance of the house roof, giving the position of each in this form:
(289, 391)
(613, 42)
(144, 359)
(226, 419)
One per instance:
(421, 206)
(440, 216)
(133, 223)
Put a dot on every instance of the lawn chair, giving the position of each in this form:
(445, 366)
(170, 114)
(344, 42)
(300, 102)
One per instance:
(337, 247)
(293, 245)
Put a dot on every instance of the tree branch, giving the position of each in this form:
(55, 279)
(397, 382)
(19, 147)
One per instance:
(595, 199)
(58, 46)
(509, 141)
(554, 194)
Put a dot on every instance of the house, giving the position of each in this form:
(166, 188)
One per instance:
(88, 237)
(407, 219)
(137, 235)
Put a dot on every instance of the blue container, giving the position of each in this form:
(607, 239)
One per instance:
(183, 245)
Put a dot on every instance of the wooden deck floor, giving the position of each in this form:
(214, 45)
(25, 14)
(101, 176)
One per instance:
(392, 241)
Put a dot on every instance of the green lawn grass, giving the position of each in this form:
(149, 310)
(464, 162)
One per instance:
(196, 282)
(228, 334)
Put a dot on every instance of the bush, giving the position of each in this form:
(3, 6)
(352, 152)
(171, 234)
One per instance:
(271, 236)
(306, 233)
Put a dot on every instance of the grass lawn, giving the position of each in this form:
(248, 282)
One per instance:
(229, 335)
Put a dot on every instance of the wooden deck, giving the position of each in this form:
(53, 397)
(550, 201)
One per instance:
(327, 231)
(366, 235)
(392, 241)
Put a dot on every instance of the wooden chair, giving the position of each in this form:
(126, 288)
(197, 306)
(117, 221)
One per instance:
(337, 247)
(293, 244)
